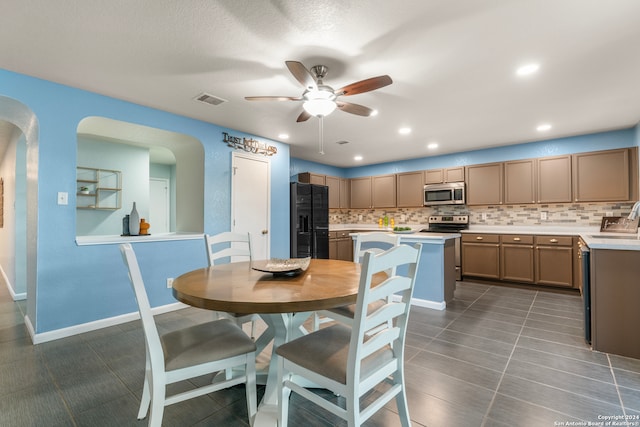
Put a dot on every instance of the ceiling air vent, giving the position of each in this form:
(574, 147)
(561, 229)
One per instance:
(209, 99)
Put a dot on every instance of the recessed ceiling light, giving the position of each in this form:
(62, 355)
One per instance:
(432, 146)
(357, 158)
(404, 131)
(373, 113)
(283, 136)
(528, 69)
(543, 127)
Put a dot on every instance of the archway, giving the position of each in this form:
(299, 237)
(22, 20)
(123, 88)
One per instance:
(23, 118)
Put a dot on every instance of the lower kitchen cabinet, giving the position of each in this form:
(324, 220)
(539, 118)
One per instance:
(481, 255)
(525, 258)
(554, 260)
(340, 245)
(517, 258)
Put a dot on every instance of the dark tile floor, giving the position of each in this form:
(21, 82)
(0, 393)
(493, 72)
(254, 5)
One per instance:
(496, 356)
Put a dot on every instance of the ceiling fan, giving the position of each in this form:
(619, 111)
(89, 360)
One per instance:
(320, 100)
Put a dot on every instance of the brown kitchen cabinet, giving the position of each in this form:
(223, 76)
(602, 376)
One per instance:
(517, 258)
(520, 181)
(345, 193)
(373, 192)
(340, 245)
(602, 175)
(439, 176)
(383, 191)
(333, 183)
(481, 255)
(311, 178)
(410, 189)
(554, 260)
(484, 184)
(553, 179)
(361, 193)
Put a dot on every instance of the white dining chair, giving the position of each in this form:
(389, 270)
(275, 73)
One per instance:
(347, 360)
(188, 353)
(376, 242)
(233, 247)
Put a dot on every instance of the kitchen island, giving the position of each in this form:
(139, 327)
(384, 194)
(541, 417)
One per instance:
(436, 276)
(614, 274)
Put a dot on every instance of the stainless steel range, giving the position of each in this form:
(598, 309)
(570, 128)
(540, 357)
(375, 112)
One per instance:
(449, 224)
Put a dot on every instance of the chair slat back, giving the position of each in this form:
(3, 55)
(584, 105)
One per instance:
(152, 338)
(228, 244)
(379, 242)
(390, 320)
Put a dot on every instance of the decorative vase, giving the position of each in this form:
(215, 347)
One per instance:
(125, 225)
(134, 221)
(144, 227)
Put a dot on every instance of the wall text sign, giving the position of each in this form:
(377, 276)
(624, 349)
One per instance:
(249, 144)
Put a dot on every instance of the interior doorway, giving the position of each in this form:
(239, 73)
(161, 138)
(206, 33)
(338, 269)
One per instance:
(159, 205)
(251, 200)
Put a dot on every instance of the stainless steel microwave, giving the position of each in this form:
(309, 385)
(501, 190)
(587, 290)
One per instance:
(451, 193)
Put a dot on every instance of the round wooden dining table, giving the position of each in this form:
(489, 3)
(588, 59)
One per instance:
(283, 302)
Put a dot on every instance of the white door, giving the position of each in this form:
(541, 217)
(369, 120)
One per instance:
(159, 205)
(250, 200)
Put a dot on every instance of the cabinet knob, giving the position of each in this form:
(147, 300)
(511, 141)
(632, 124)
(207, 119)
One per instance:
(553, 240)
(479, 238)
(265, 231)
(517, 239)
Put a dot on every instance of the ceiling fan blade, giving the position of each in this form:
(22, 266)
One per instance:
(303, 117)
(349, 107)
(364, 86)
(273, 98)
(302, 75)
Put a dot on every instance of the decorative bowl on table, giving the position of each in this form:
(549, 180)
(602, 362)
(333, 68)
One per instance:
(282, 267)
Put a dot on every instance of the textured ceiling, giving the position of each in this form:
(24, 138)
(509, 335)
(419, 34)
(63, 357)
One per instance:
(452, 62)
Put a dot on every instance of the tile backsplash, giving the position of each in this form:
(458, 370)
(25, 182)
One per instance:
(568, 214)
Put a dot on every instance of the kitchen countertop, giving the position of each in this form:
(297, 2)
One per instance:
(591, 235)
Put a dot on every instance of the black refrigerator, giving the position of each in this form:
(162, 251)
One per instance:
(309, 220)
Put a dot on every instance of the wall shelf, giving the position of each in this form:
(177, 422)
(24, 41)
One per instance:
(98, 189)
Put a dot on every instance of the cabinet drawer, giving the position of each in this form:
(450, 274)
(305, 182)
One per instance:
(517, 239)
(343, 234)
(480, 238)
(333, 235)
(554, 240)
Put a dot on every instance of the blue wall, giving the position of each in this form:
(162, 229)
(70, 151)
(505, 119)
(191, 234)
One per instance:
(80, 284)
(552, 147)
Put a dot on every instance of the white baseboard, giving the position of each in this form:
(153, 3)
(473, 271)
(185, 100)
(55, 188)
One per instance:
(425, 303)
(124, 318)
(95, 325)
(429, 304)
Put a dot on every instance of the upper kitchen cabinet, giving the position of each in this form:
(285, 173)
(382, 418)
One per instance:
(410, 189)
(554, 179)
(345, 193)
(373, 192)
(361, 193)
(610, 175)
(334, 191)
(484, 184)
(439, 176)
(383, 191)
(311, 178)
(519, 181)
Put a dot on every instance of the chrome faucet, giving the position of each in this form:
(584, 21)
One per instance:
(635, 211)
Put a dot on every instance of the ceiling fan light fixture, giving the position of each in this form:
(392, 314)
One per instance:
(319, 107)
(319, 102)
